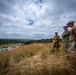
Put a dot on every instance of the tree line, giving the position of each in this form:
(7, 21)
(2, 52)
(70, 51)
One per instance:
(10, 41)
(39, 41)
(24, 41)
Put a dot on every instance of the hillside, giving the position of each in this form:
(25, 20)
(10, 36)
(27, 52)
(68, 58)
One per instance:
(37, 59)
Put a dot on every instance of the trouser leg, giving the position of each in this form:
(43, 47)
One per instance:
(73, 47)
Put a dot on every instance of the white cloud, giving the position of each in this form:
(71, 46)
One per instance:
(47, 16)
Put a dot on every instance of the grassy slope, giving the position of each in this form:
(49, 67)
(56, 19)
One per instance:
(36, 59)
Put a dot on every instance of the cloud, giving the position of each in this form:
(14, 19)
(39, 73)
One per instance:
(34, 19)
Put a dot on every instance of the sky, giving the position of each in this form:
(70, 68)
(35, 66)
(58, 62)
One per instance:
(35, 19)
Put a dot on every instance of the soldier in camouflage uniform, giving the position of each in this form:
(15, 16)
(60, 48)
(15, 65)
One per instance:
(56, 40)
(72, 36)
(65, 38)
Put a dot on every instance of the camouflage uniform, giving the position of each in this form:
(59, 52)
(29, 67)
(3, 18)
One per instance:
(56, 44)
(65, 39)
(72, 35)
(73, 38)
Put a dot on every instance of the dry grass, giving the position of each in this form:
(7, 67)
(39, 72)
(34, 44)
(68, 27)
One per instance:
(36, 59)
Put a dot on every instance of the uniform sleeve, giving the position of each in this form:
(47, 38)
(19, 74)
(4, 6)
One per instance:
(65, 34)
(54, 38)
(74, 30)
(62, 35)
(58, 38)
